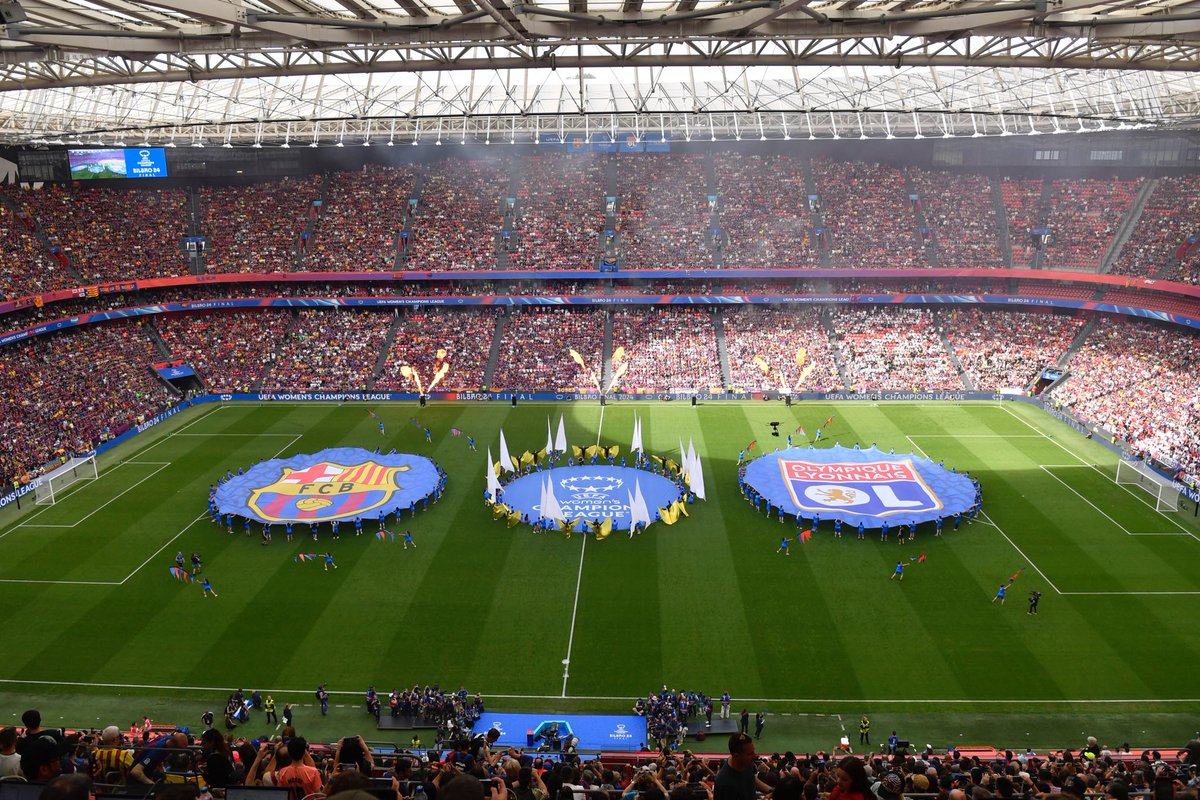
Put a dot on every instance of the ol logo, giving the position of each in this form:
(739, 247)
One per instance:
(326, 491)
(873, 488)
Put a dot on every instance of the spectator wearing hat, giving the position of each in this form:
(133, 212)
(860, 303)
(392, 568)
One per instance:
(891, 787)
(42, 759)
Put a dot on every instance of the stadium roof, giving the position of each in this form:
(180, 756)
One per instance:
(252, 71)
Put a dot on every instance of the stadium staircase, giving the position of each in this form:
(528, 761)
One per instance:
(156, 339)
(1043, 218)
(967, 383)
(1001, 221)
(1128, 224)
(63, 258)
(817, 215)
(196, 260)
(310, 224)
(834, 349)
(1076, 343)
(510, 222)
(722, 350)
(928, 245)
(494, 351)
(404, 243)
(715, 243)
(606, 350)
(276, 349)
(381, 361)
(610, 246)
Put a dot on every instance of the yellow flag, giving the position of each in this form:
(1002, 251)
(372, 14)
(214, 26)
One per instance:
(526, 458)
(496, 469)
(682, 507)
(500, 510)
(514, 519)
(671, 465)
(578, 451)
(566, 526)
(604, 530)
(591, 450)
(614, 450)
(669, 514)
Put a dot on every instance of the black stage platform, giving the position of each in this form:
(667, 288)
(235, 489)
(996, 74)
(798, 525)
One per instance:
(719, 727)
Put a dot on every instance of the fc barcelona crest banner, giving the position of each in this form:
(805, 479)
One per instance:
(335, 484)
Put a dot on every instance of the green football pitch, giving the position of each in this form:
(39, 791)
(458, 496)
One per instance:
(97, 629)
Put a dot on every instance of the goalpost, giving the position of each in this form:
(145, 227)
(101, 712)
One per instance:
(55, 482)
(1137, 473)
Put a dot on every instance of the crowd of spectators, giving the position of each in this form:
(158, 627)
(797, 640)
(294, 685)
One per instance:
(893, 349)
(1084, 216)
(463, 335)
(256, 227)
(961, 217)
(63, 393)
(792, 344)
(228, 349)
(113, 234)
(28, 266)
(359, 224)
(458, 215)
(560, 212)
(666, 349)
(867, 214)
(324, 350)
(1022, 202)
(1138, 382)
(1005, 349)
(765, 218)
(535, 350)
(1159, 246)
(663, 212)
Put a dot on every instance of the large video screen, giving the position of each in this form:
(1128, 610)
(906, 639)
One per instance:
(118, 162)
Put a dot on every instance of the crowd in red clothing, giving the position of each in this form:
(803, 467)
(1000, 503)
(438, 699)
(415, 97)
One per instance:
(1138, 382)
(359, 224)
(1084, 217)
(663, 212)
(64, 393)
(560, 212)
(535, 350)
(256, 227)
(28, 267)
(665, 349)
(765, 217)
(324, 350)
(427, 339)
(228, 349)
(774, 349)
(1005, 349)
(867, 214)
(1158, 246)
(961, 217)
(1022, 201)
(458, 217)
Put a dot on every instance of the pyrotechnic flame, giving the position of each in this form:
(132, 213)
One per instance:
(618, 373)
(441, 373)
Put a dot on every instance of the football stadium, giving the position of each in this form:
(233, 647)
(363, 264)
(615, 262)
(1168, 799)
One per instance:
(599, 400)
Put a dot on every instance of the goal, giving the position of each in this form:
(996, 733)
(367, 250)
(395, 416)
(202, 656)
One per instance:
(55, 482)
(1137, 473)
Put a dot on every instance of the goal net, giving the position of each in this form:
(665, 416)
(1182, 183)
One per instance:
(55, 482)
(1137, 473)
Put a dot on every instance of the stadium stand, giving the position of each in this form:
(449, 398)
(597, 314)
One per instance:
(866, 211)
(361, 215)
(1084, 215)
(226, 348)
(1022, 200)
(28, 267)
(256, 227)
(1159, 245)
(893, 350)
(958, 209)
(559, 203)
(535, 351)
(1007, 350)
(792, 344)
(764, 212)
(666, 350)
(457, 219)
(465, 336)
(322, 350)
(663, 212)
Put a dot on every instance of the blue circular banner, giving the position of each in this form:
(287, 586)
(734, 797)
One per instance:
(339, 483)
(591, 493)
(854, 485)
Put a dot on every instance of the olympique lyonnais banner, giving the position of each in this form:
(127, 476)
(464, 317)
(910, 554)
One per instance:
(97, 290)
(598, 300)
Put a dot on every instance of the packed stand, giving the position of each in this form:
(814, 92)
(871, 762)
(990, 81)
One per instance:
(228, 349)
(114, 234)
(1005, 349)
(867, 215)
(360, 220)
(1084, 217)
(28, 267)
(663, 214)
(560, 211)
(325, 350)
(457, 219)
(64, 393)
(535, 351)
(1163, 243)
(256, 227)
(960, 213)
(893, 349)
(775, 349)
(765, 215)
(665, 349)
(462, 337)
(1022, 202)
(1138, 381)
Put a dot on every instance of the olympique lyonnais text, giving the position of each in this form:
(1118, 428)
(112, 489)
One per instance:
(876, 471)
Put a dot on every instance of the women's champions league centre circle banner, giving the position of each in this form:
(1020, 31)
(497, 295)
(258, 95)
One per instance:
(855, 485)
(339, 483)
